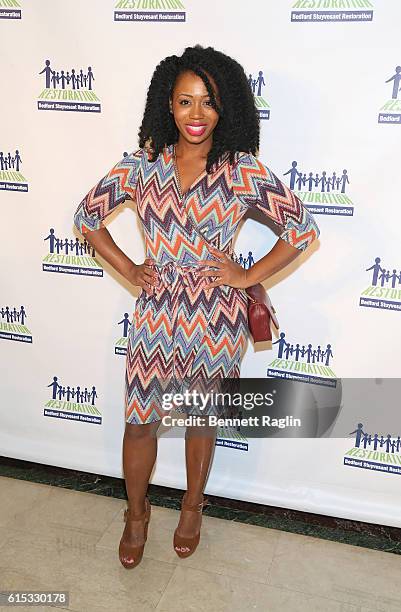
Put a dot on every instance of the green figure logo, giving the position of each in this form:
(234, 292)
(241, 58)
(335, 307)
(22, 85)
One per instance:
(390, 112)
(321, 191)
(11, 177)
(320, 11)
(70, 256)
(12, 325)
(68, 90)
(150, 10)
(120, 347)
(303, 362)
(256, 84)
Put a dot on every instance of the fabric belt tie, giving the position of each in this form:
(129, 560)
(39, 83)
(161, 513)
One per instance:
(171, 271)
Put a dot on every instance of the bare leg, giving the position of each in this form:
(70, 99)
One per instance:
(139, 456)
(199, 450)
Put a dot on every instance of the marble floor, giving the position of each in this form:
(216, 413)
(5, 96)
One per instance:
(52, 538)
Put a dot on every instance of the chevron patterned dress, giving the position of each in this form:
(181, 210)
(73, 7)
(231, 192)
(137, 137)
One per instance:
(185, 336)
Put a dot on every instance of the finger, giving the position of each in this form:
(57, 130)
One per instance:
(218, 254)
(147, 288)
(146, 277)
(212, 273)
(215, 251)
(150, 272)
(211, 262)
(149, 278)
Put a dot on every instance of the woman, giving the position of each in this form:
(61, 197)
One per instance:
(193, 178)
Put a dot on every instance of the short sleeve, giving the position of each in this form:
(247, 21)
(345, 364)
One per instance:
(113, 189)
(257, 187)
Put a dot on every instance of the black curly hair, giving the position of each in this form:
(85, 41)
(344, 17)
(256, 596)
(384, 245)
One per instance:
(238, 126)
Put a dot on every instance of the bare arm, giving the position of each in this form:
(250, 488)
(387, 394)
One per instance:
(257, 186)
(277, 258)
(109, 193)
(141, 275)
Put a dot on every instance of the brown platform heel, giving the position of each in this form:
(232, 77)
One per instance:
(184, 547)
(127, 550)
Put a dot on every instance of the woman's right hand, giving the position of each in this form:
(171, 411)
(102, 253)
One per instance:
(144, 275)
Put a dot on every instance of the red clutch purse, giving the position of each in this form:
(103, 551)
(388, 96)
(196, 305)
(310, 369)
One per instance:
(261, 313)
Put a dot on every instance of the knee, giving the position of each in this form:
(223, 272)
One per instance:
(136, 431)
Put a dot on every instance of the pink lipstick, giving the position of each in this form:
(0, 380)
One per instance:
(196, 129)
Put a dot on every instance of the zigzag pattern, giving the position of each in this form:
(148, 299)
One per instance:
(184, 333)
(112, 190)
(257, 186)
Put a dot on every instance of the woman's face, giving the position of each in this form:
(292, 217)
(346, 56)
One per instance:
(194, 116)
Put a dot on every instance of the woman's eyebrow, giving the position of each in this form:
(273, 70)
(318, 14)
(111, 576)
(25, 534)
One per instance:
(191, 96)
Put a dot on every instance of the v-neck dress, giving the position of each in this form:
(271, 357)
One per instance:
(185, 336)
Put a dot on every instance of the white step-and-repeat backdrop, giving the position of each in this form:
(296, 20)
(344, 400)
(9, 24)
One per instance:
(326, 78)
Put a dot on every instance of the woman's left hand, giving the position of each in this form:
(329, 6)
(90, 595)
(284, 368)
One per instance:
(228, 273)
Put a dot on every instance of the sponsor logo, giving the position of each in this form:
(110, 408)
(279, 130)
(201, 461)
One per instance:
(69, 89)
(120, 347)
(390, 112)
(10, 9)
(165, 11)
(244, 261)
(70, 256)
(302, 362)
(72, 403)
(12, 324)
(378, 452)
(256, 83)
(322, 192)
(231, 437)
(11, 178)
(384, 290)
(323, 11)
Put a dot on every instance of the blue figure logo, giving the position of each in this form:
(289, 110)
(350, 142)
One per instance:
(390, 111)
(308, 354)
(383, 276)
(365, 440)
(60, 79)
(259, 82)
(75, 394)
(303, 181)
(120, 347)
(69, 246)
(125, 322)
(12, 315)
(396, 78)
(256, 85)
(10, 162)
(245, 262)
(13, 324)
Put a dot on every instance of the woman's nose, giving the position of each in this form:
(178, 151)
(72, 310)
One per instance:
(196, 110)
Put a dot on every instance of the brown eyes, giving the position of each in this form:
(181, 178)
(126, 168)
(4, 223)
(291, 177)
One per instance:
(208, 102)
